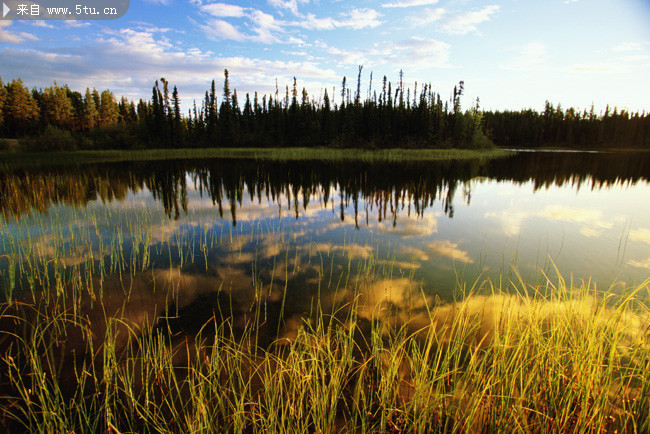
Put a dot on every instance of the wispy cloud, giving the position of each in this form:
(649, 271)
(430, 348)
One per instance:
(360, 19)
(640, 264)
(129, 60)
(7, 35)
(219, 29)
(291, 5)
(629, 46)
(411, 52)
(265, 28)
(467, 22)
(418, 51)
(223, 10)
(641, 234)
(409, 3)
(354, 19)
(532, 57)
(427, 16)
(450, 250)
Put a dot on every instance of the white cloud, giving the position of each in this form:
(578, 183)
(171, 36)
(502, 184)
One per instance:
(265, 28)
(591, 223)
(220, 29)
(468, 21)
(361, 18)
(640, 264)
(418, 51)
(427, 16)
(310, 21)
(223, 10)
(265, 25)
(75, 23)
(450, 250)
(410, 53)
(42, 23)
(291, 5)
(14, 37)
(629, 46)
(129, 61)
(531, 57)
(641, 234)
(354, 19)
(409, 3)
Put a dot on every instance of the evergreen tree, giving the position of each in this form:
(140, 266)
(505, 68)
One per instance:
(21, 113)
(108, 110)
(3, 97)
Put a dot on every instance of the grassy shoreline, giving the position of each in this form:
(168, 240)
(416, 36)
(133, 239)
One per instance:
(564, 362)
(18, 159)
(109, 345)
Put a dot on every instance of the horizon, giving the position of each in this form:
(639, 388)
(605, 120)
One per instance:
(572, 53)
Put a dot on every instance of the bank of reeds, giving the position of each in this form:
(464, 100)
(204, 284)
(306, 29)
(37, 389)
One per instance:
(42, 159)
(567, 361)
(88, 345)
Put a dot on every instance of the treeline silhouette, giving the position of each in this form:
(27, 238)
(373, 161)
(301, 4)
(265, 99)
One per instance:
(376, 116)
(404, 188)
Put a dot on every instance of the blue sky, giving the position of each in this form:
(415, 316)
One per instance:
(513, 54)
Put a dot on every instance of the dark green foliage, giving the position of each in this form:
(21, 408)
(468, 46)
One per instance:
(52, 139)
(388, 118)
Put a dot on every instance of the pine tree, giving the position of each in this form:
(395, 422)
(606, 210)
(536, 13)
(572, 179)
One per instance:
(21, 113)
(3, 97)
(108, 110)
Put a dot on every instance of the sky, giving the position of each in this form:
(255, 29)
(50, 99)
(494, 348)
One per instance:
(512, 54)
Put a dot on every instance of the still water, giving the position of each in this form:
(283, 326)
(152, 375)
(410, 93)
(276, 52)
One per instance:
(300, 230)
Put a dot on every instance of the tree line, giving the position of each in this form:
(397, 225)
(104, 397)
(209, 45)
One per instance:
(378, 116)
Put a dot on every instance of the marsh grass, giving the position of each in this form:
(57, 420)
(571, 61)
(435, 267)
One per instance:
(22, 160)
(94, 337)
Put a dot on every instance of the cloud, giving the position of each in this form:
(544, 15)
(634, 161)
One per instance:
(414, 253)
(223, 10)
(14, 37)
(591, 222)
(411, 52)
(427, 16)
(310, 21)
(127, 61)
(418, 51)
(355, 19)
(531, 57)
(360, 19)
(219, 29)
(450, 250)
(409, 3)
(291, 5)
(76, 24)
(41, 23)
(641, 234)
(629, 46)
(265, 25)
(467, 22)
(640, 264)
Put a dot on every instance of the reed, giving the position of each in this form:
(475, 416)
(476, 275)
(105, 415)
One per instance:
(23, 159)
(95, 337)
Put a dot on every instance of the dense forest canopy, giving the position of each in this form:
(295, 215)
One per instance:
(377, 116)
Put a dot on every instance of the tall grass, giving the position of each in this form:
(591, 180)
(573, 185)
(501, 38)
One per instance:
(90, 341)
(20, 160)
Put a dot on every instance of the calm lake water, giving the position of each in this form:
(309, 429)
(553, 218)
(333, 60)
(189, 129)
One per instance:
(298, 231)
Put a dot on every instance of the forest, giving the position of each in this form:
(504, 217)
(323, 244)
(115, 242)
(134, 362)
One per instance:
(391, 115)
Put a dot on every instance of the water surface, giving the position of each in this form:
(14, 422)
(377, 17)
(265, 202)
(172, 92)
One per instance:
(306, 232)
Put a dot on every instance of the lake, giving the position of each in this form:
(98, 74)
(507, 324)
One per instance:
(246, 295)
(302, 230)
